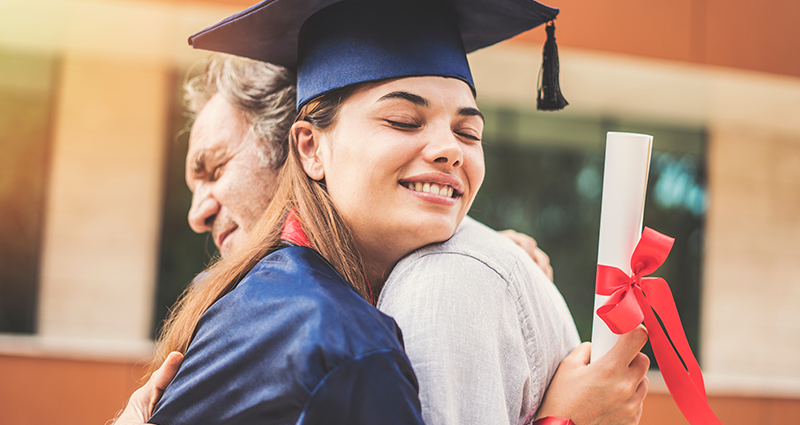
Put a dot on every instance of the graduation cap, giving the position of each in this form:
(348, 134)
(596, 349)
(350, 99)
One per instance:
(335, 43)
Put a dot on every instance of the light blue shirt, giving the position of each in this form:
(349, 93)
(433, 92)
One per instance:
(484, 328)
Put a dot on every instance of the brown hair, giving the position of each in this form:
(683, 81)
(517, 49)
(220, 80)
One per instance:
(326, 231)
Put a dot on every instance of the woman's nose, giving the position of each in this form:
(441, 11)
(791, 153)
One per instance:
(444, 148)
(204, 210)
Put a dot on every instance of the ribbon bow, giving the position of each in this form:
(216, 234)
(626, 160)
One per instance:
(633, 299)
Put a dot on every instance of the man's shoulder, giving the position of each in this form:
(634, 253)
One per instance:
(475, 244)
(477, 262)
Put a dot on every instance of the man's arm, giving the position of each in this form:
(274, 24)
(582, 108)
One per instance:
(141, 404)
(531, 247)
(462, 336)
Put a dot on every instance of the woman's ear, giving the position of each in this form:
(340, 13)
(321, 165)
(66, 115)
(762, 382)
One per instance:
(309, 149)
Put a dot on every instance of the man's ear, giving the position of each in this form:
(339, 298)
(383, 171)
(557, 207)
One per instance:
(309, 149)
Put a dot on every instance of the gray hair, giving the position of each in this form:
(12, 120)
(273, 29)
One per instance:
(263, 92)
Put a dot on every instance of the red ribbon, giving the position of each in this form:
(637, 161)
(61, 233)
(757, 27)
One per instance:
(552, 420)
(633, 299)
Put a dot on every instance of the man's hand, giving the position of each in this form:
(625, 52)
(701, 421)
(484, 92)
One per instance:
(143, 401)
(609, 391)
(532, 248)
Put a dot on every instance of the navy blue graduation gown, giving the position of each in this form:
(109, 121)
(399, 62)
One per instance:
(293, 343)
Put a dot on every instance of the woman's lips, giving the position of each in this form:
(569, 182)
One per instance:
(431, 188)
(435, 198)
(440, 184)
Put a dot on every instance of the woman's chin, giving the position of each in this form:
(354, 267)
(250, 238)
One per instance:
(437, 232)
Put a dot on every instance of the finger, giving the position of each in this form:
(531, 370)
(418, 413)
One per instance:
(163, 376)
(580, 356)
(637, 400)
(524, 241)
(549, 272)
(543, 261)
(627, 347)
(520, 238)
(640, 365)
(641, 390)
(540, 258)
(543, 257)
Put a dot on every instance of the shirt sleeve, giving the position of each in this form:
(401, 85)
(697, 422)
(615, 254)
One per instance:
(463, 337)
(374, 388)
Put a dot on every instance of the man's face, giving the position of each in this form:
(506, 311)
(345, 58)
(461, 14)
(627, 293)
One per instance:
(232, 185)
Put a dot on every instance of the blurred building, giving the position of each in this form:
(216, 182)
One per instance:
(89, 162)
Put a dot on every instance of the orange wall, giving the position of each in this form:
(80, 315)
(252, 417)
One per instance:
(80, 392)
(37, 391)
(759, 36)
(659, 409)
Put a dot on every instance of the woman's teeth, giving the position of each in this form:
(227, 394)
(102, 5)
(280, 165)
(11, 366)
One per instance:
(431, 188)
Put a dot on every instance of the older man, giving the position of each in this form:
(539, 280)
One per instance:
(243, 110)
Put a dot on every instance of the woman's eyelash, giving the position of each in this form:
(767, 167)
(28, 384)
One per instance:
(468, 136)
(404, 125)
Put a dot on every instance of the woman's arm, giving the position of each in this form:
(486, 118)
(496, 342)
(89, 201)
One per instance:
(374, 388)
(609, 391)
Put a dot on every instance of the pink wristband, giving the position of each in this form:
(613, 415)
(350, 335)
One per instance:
(552, 420)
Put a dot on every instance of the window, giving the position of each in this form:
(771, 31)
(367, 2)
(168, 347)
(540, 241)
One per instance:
(544, 176)
(26, 89)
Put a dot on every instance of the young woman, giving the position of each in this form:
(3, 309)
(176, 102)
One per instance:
(385, 158)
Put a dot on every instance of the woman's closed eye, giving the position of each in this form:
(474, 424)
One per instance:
(403, 124)
(468, 134)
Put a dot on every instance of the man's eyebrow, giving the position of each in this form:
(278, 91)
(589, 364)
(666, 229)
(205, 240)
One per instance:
(411, 97)
(471, 112)
(199, 164)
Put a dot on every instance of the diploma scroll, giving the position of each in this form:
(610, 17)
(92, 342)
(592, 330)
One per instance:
(627, 165)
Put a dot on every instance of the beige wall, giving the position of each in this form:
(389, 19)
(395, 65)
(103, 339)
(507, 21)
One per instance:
(751, 306)
(100, 246)
(100, 249)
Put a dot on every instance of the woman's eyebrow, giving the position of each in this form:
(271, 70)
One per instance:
(411, 97)
(471, 112)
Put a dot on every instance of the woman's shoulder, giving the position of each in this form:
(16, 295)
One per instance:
(295, 294)
(274, 339)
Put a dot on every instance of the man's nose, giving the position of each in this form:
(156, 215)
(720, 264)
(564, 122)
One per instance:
(204, 210)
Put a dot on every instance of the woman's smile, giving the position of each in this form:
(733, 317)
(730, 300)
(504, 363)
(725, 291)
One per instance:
(437, 188)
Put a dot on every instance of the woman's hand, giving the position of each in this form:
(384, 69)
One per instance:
(532, 248)
(143, 401)
(609, 391)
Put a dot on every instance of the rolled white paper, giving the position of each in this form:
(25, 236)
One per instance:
(627, 166)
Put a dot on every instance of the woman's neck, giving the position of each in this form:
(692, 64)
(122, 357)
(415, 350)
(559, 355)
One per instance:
(376, 274)
(378, 264)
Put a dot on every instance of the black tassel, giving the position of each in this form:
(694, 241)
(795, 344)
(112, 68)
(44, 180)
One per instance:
(550, 97)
